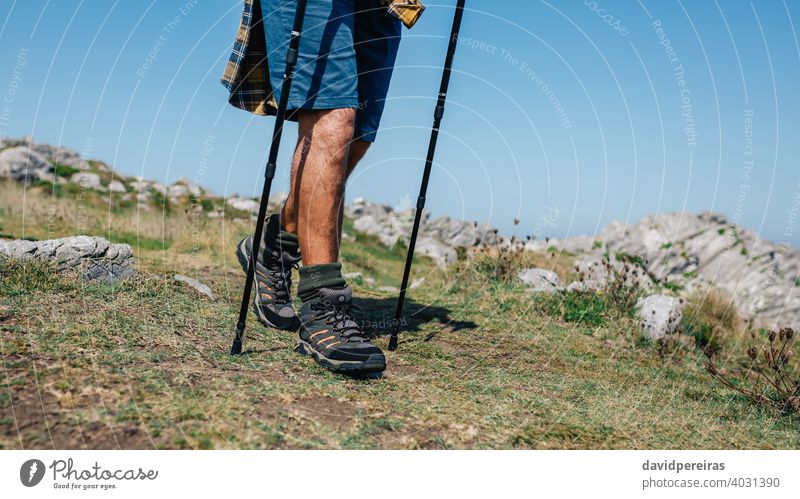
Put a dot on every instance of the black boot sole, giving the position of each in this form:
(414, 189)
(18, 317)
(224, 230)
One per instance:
(374, 364)
(276, 322)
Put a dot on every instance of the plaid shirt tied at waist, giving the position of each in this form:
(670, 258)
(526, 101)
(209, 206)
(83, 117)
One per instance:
(246, 75)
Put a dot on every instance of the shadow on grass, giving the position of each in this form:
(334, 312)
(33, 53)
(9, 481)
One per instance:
(377, 315)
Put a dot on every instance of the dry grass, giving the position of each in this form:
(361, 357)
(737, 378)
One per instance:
(502, 263)
(711, 318)
(35, 213)
(772, 379)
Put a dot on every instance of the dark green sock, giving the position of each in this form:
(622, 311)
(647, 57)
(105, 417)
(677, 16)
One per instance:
(278, 239)
(313, 277)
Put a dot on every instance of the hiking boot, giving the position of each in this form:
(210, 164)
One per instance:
(272, 302)
(330, 335)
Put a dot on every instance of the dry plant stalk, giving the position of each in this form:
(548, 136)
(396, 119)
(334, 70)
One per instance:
(772, 381)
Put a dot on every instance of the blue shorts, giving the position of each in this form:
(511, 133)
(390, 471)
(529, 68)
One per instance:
(347, 53)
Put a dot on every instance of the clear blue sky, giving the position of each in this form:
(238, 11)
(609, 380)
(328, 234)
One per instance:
(570, 105)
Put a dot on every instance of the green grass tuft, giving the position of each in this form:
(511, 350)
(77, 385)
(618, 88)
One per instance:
(64, 170)
(579, 307)
(26, 277)
(139, 241)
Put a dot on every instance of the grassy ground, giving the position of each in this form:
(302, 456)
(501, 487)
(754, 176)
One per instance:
(144, 364)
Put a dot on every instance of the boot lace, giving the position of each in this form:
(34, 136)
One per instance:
(340, 317)
(281, 279)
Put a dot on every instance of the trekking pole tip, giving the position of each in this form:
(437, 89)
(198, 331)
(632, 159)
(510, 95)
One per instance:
(393, 340)
(236, 348)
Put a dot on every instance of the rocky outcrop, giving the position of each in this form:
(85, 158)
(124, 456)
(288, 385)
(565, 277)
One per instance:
(679, 252)
(684, 252)
(23, 165)
(439, 238)
(434, 249)
(93, 258)
(50, 153)
(243, 204)
(251, 205)
(55, 154)
(596, 272)
(24, 160)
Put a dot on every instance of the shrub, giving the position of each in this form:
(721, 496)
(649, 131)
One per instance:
(500, 263)
(710, 318)
(703, 335)
(206, 204)
(160, 201)
(64, 170)
(622, 288)
(771, 381)
(672, 286)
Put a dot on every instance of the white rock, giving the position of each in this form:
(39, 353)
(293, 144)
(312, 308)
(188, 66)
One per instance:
(193, 188)
(116, 186)
(94, 165)
(277, 199)
(87, 180)
(540, 280)
(198, 286)
(140, 185)
(159, 187)
(20, 163)
(438, 238)
(243, 204)
(576, 286)
(436, 250)
(366, 224)
(94, 258)
(177, 190)
(596, 275)
(659, 316)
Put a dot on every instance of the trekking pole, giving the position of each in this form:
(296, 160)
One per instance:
(437, 119)
(269, 173)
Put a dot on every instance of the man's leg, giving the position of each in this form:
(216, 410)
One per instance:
(328, 331)
(358, 148)
(319, 172)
